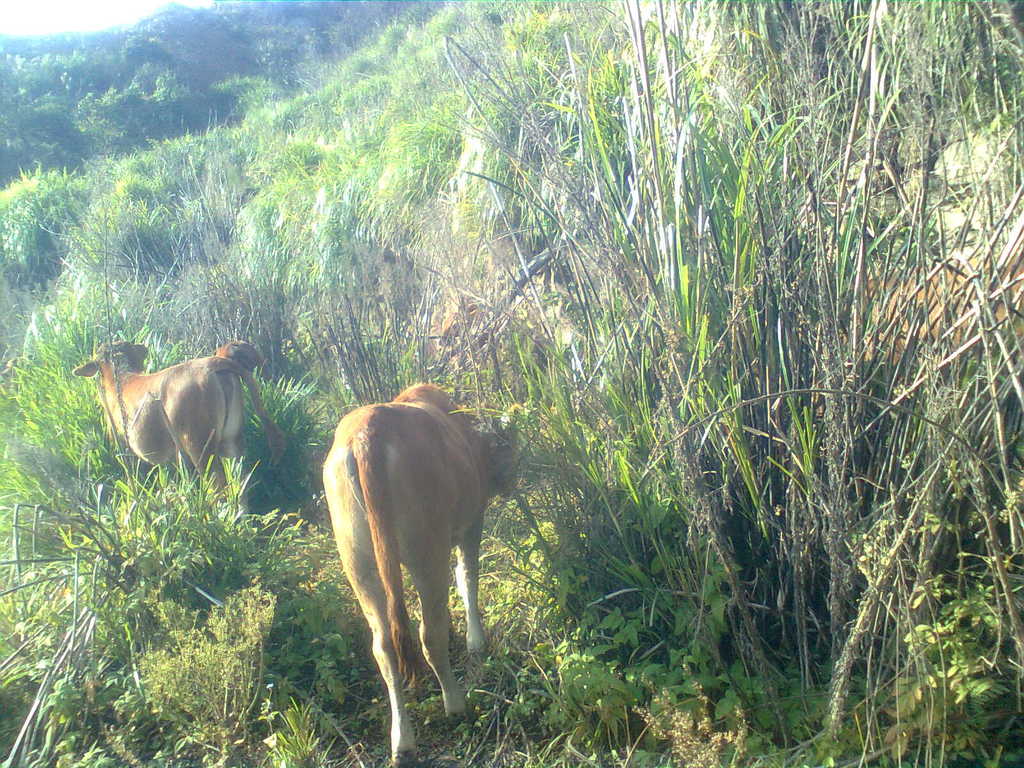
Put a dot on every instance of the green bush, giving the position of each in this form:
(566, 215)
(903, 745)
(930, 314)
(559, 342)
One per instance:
(207, 681)
(291, 482)
(592, 704)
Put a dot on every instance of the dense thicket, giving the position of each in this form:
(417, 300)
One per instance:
(745, 277)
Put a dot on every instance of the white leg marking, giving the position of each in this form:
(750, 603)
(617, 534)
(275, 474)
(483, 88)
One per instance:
(403, 739)
(467, 582)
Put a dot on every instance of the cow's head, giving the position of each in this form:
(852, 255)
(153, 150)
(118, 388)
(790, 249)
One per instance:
(244, 354)
(501, 445)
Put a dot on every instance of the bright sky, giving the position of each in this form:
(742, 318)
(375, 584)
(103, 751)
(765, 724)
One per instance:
(46, 17)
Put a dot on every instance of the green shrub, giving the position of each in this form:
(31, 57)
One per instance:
(207, 681)
(593, 704)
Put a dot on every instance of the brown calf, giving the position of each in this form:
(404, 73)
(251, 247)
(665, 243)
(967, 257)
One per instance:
(406, 481)
(192, 410)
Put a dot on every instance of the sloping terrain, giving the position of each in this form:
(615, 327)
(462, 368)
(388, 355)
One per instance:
(744, 278)
(67, 98)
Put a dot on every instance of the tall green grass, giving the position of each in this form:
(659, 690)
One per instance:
(738, 415)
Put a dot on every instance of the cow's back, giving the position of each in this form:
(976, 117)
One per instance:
(203, 400)
(432, 474)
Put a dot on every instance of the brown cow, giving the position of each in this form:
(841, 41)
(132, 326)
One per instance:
(406, 481)
(192, 410)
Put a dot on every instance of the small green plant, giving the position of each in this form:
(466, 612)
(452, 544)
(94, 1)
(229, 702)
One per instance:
(207, 681)
(294, 742)
(592, 702)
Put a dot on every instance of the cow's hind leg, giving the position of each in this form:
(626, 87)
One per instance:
(374, 606)
(356, 549)
(467, 579)
(430, 575)
(200, 453)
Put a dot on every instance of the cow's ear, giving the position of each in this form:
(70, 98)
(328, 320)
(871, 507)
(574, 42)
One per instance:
(87, 369)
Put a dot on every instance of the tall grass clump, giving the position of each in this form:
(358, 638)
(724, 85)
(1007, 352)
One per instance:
(777, 445)
(35, 211)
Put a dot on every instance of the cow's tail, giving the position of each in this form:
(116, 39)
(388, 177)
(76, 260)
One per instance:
(275, 437)
(370, 487)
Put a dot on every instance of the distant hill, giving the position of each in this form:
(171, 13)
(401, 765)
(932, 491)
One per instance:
(65, 98)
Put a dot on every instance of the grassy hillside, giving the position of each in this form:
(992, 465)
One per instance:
(67, 98)
(743, 276)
